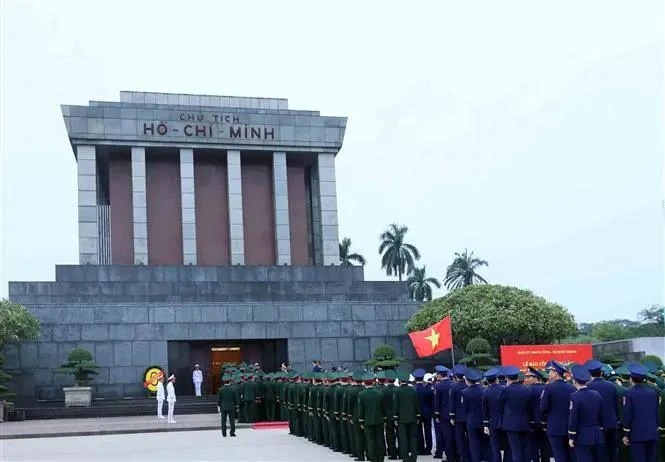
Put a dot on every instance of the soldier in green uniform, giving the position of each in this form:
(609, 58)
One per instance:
(347, 441)
(326, 408)
(358, 434)
(303, 398)
(406, 414)
(249, 398)
(387, 379)
(334, 413)
(371, 418)
(227, 404)
(311, 408)
(292, 403)
(269, 397)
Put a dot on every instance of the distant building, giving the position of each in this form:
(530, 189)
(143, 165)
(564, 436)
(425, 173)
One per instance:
(208, 233)
(632, 349)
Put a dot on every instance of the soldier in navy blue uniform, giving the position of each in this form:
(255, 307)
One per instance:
(516, 403)
(585, 419)
(472, 401)
(610, 395)
(425, 397)
(538, 445)
(443, 430)
(640, 416)
(555, 404)
(492, 418)
(456, 414)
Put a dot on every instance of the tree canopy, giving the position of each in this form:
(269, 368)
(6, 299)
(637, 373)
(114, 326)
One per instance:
(16, 324)
(420, 286)
(347, 257)
(397, 256)
(462, 271)
(501, 315)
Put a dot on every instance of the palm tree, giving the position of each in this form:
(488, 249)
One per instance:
(346, 258)
(462, 271)
(398, 256)
(420, 286)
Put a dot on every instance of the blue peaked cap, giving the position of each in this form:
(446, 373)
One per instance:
(581, 374)
(441, 369)
(593, 365)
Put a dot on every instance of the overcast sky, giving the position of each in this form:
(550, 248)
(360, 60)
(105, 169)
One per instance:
(530, 133)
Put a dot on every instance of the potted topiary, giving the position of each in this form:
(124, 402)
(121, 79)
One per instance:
(81, 365)
(384, 358)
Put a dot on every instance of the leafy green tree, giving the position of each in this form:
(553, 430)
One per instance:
(81, 365)
(5, 394)
(398, 257)
(580, 338)
(16, 325)
(501, 315)
(384, 358)
(611, 359)
(420, 286)
(608, 331)
(655, 314)
(462, 271)
(479, 357)
(346, 257)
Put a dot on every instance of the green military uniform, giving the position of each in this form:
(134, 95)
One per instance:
(347, 441)
(334, 413)
(269, 397)
(249, 395)
(388, 391)
(357, 434)
(292, 402)
(371, 418)
(406, 414)
(303, 397)
(227, 402)
(326, 409)
(340, 416)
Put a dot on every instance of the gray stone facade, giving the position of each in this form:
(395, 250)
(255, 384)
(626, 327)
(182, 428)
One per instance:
(126, 315)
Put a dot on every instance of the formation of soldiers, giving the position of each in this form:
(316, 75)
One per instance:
(583, 413)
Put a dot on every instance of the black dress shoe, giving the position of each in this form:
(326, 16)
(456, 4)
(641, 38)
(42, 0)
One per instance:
(233, 434)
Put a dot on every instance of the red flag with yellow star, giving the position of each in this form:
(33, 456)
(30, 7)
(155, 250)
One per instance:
(436, 338)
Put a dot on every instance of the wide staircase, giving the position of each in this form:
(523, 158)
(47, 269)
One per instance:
(117, 408)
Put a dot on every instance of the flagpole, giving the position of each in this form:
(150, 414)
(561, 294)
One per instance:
(452, 352)
(452, 349)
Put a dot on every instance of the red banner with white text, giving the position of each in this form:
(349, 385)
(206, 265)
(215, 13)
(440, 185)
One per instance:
(536, 356)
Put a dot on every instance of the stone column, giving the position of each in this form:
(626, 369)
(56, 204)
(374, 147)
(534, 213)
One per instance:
(139, 211)
(281, 200)
(187, 200)
(87, 183)
(236, 232)
(328, 207)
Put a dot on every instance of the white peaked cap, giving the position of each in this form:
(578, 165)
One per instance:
(428, 377)
(172, 376)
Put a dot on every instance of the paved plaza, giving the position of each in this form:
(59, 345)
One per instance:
(208, 445)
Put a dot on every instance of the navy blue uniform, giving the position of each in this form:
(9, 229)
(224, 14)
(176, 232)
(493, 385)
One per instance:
(492, 420)
(640, 421)
(425, 397)
(539, 448)
(555, 403)
(516, 403)
(610, 396)
(584, 424)
(457, 414)
(472, 401)
(445, 438)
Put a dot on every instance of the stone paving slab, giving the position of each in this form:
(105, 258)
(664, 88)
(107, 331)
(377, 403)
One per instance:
(250, 445)
(107, 426)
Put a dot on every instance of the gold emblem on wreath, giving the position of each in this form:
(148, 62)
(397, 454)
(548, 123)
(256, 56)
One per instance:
(152, 377)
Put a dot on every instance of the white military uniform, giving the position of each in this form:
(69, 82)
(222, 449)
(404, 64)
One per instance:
(160, 399)
(197, 378)
(170, 399)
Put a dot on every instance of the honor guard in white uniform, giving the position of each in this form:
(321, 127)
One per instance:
(160, 397)
(197, 378)
(170, 397)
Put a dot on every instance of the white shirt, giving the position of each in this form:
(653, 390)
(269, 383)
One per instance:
(160, 390)
(197, 376)
(170, 392)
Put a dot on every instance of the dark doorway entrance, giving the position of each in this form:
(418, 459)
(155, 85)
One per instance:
(212, 354)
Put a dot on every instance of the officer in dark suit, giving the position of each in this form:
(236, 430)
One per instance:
(555, 404)
(425, 398)
(492, 418)
(445, 437)
(538, 445)
(515, 403)
(585, 419)
(640, 416)
(227, 404)
(472, 401)
(609, 451)
(456, 413)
